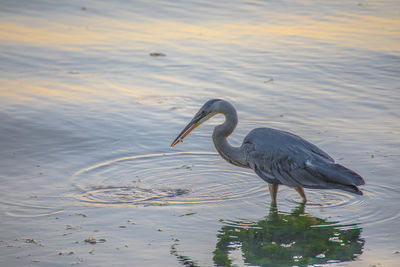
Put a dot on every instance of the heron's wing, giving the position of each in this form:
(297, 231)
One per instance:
(281, 166)
(283, 158)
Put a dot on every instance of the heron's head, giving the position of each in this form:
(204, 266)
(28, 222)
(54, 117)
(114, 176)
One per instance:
(209, 109)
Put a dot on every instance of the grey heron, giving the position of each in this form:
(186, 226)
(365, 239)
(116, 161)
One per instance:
(278, 157)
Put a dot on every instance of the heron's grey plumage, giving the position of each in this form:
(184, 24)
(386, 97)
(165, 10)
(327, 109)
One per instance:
(278, 157)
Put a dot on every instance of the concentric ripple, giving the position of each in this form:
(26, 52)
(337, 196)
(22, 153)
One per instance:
(322, 198)
(194, 178)
(348, 208)
(25, 210)
(185, 178)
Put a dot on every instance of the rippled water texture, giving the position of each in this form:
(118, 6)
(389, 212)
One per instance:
(92, 94)
(136, 180)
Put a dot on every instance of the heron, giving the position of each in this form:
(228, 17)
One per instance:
(278, 157)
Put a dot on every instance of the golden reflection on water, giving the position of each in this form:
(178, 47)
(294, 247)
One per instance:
(32, 90)
(350, 30)
(106, 34)
(39, 90)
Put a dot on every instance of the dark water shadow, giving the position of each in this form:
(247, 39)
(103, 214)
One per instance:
(288, 239)
(182, 259)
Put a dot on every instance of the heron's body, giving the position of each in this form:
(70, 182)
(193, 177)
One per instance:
(278, 157)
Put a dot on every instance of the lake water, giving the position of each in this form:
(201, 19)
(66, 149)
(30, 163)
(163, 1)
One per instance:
(87, 115)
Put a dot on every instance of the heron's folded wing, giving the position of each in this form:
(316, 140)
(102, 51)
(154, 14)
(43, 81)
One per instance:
(286, 165)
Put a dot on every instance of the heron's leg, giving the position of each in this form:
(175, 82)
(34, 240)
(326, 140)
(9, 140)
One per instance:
(273, 190)
(300, 190)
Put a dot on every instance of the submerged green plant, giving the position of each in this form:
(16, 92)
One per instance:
(93, 241)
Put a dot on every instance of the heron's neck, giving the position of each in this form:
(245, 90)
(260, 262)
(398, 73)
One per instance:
(232, 154)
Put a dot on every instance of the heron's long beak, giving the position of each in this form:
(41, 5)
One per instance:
(190, 127)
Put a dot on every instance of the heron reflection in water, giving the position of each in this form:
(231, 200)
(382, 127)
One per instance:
(282, 239)
(278, 157)
(295, 239)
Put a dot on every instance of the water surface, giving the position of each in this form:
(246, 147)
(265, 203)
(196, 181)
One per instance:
(87, 116)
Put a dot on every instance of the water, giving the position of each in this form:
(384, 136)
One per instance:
(87, 117)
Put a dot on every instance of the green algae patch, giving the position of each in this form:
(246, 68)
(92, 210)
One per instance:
(93, 241)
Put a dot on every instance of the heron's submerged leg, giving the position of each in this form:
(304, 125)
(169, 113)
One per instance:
(273, 191)
(300, 190)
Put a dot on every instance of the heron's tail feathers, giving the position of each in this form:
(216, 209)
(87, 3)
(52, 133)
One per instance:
(338, 173)
(338, 176)
(349, 188)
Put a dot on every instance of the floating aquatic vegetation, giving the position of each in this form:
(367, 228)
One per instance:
(93, 241)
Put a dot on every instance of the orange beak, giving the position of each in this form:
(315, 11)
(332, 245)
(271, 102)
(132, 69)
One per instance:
(190, 127)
